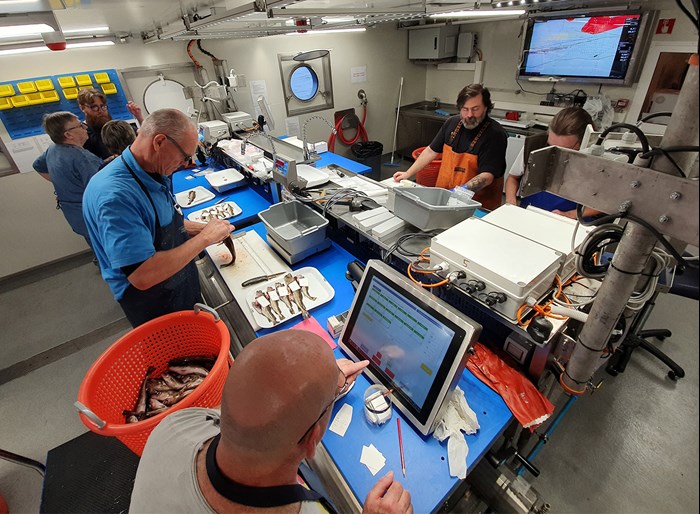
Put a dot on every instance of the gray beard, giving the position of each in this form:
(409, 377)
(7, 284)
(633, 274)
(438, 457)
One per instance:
(472, 127)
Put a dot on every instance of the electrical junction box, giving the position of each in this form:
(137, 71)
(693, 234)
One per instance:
(465, 45)
(544, 227)
(213, 130)
(238, 121)
(431, 43)
(504, 261)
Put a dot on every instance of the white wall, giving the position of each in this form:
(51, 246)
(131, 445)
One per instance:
(500, 42)
(383, 50)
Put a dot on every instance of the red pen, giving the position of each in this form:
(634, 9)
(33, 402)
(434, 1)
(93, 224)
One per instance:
(403, 462)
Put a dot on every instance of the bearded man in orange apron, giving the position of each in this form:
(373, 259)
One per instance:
(473, 148)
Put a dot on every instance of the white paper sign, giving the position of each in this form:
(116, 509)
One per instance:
(358, 74)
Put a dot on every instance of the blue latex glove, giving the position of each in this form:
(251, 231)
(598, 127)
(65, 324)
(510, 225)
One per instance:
(442, 112)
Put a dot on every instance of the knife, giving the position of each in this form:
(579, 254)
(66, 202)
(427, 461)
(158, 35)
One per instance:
(262, 278)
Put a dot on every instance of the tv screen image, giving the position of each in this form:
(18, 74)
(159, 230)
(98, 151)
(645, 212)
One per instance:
(591, 48)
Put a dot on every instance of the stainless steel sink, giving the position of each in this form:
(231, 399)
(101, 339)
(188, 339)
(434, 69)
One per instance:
(425, 107)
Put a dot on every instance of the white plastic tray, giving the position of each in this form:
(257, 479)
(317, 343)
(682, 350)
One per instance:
(224, 180)
(313, 176)
(318, 287)
(197, 215)
(202, 195)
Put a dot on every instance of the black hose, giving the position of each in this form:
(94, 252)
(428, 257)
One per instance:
(642, 137)
(654, 115)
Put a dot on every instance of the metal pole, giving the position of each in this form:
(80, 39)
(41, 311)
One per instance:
(632, 252)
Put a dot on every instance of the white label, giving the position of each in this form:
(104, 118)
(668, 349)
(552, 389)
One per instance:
(273, 296)
(294, 286)
(282, 291)
(263, 301)
(303, 281)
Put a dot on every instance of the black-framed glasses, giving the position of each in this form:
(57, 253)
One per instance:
(82, 125)
(185, 156)
(97, 108)
(343, 386)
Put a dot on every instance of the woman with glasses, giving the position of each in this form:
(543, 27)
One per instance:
(93, 103)
(68, 166)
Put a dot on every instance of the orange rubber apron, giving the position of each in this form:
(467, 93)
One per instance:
(460, 168)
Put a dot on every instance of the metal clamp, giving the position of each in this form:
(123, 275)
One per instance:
(201, 307)
(100, 423)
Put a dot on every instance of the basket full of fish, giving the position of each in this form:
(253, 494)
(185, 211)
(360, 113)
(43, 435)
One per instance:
(176, 361)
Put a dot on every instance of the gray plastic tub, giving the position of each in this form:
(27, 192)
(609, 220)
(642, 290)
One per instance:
(294, 226)
(429, 208)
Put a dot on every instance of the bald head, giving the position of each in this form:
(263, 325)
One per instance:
(166, 141)
(277, 387)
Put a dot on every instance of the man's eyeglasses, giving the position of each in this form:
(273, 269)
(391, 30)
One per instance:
(343, 386)
(185, 156)
(97, 108)
(82, 125)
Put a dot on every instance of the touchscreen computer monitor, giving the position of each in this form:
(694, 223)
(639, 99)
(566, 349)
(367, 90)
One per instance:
(416, 343)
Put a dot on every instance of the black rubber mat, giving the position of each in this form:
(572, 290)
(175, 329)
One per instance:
(88, 474)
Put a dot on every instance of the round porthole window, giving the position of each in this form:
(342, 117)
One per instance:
(303, 82)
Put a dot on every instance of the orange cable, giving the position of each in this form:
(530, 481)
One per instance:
(567, 388)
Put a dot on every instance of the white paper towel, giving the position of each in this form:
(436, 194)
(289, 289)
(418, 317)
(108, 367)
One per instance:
(458, 418)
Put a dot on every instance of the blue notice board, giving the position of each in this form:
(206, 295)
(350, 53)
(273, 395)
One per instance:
(26, 121)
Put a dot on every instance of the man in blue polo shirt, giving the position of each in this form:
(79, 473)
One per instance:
(68, 166)
(143, 244)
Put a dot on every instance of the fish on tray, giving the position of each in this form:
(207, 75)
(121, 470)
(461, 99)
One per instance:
(304, 284)
(285, 295)
(158, 394)
(297, 296)
(262, 306)
(191, 196)
(274, 299)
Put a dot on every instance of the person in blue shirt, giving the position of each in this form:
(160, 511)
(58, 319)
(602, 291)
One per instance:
(144, 246)
(68, 166)
(566, 130)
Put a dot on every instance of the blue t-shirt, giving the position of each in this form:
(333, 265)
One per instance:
(70, 168)
(120, 218)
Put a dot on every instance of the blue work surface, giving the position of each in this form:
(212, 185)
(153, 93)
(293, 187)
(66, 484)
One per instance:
(332, 158)
(427, 472)
(331, 263)
(250, 202)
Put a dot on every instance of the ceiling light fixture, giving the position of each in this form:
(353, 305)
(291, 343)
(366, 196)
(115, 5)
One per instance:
(28, 50)
(34, 47)
(87, 30)
(479, 14)
(32, 29)
(329, 31)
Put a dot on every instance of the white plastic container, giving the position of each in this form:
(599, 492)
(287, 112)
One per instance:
(225, 180)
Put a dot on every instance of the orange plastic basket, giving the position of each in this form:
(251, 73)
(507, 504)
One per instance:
(113, 382)
(428, 175)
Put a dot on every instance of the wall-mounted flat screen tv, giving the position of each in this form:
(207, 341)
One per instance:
(601, 49)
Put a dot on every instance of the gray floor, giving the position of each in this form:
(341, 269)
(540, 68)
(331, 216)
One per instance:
(632, 447)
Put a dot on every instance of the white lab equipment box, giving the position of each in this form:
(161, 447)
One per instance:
(213, 130)
(551, 230)
(433, 42)
(504, 261)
